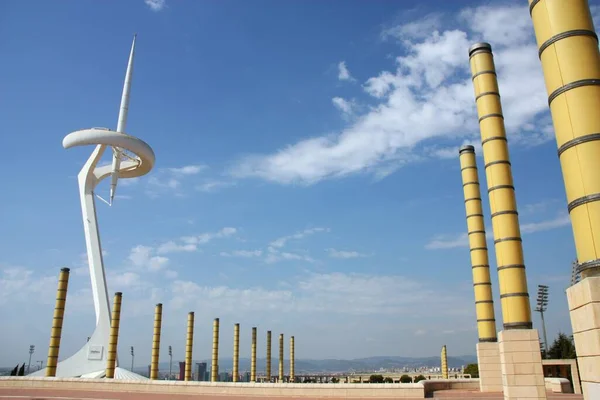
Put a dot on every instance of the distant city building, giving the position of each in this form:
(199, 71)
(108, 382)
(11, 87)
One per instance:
(201, 371)
(181, 370)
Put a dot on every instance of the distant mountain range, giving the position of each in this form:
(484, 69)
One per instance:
(332, 365)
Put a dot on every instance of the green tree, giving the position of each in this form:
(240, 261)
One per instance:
(405, 379)
(387, 379)
(376, 379)
(473, 370)
(334, 380)
(562, 347)
(419, 378)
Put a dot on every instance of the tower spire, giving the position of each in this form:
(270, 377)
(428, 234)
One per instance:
(122, 122)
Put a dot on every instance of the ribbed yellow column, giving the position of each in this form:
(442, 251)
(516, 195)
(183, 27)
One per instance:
(214, 369)
(444, 367)
(253, 357)
(482, 286)
(236, 352)
(292, 359)
(514, 296)
(57, 322)
(113, 339)
(189, 345)
(568, 49)
(281, 358)
(268, 372)
(156, 341)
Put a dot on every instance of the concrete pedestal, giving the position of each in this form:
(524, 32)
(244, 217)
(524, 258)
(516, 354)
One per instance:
(521, 363)
(584, 307)
(490, 373)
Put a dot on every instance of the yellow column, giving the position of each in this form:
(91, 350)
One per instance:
(236, 352)
(568, 51)
(444, 367)
(156, 341)
(253, 357)
(57, 322)
(281, 358)
(514, 296)
(214, 369)
(268, 356)
(292, 359)
(484, 305)
(189, 344)
(568, 48)
(113, 339)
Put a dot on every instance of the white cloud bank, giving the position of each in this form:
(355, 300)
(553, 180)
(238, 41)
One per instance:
(428, 96)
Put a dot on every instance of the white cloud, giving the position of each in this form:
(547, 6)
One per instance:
(213, 186)
(344, 254)
(141, 257)
(188, 169)
(207, 237)
(242, 253)
(280, 242)
(562, 220)
(428, 96)
(274, 256)
(462, 240)
(172, 247)
(21, 284)
(357, 294)
(415, 29)
(155, 5)
(345, 106)
(343, 73)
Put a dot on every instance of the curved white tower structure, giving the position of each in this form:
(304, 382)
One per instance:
(132, 158)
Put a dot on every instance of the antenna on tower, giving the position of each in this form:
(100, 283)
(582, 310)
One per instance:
(121, 123)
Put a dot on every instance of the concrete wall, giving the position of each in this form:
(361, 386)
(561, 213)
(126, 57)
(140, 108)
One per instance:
(373, 390)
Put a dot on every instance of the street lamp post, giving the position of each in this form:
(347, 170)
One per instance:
(542, 305)
(132, 357)
(31, 351)
(170, 361)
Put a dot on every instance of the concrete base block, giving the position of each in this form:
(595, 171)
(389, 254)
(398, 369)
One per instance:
(490, 373)
(584, 309)
(521, 364)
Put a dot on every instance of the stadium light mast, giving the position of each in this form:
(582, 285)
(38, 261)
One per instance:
(542, 305)
(31, 351)
(132, 357)
(170, 361)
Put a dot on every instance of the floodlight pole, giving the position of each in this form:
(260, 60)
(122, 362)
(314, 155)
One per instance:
(542, 303)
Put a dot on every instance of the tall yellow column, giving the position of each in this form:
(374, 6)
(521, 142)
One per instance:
(214, 369)
(292, 359)
(518, 343)
(268, 372)
(57, 322)
(281, 358)
(514, 297)
(189, 345)
(484, 304)
(253, 357)
(488, 356)
(568, 50)
(156, 341)
(113, 339)
(444, 363)
(236, 352)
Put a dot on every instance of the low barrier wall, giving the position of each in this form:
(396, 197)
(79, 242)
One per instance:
(558, 385)
(432, 385)
(349, 390)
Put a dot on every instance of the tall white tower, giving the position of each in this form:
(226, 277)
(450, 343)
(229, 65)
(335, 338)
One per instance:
(132, 158)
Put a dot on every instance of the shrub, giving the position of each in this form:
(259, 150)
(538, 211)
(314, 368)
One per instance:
(419, 378)
(405, 379)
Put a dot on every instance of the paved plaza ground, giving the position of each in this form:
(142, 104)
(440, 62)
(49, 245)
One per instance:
(39, 394)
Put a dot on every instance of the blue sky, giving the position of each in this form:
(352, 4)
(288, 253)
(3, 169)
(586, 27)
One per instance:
(306, 179)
